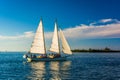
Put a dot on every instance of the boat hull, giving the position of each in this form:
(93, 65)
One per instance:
(47, 59)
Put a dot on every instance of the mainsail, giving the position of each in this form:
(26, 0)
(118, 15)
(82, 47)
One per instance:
(65, 46)
(55, 41)
(38, 45)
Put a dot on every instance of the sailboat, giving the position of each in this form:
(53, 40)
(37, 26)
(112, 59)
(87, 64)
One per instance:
(38, 50)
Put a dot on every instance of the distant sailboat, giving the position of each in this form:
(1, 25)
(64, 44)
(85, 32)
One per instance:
(38, 50)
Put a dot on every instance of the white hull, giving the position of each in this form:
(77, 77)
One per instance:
(47, 59)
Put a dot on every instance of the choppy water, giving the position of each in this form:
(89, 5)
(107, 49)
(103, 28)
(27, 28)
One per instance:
(81, 66)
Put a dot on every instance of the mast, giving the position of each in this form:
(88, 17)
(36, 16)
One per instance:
(43, 38)
(38, 45)
(55, 47)
(58, 37)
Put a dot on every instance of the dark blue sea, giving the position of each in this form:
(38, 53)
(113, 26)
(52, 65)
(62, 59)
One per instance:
(80, 66)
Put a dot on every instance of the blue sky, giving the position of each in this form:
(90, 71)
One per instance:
(91, 23)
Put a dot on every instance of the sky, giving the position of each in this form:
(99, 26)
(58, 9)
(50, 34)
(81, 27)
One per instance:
(85, 23)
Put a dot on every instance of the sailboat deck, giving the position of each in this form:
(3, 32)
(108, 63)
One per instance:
(49, 59)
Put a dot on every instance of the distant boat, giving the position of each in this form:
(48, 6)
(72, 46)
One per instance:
(38, 50)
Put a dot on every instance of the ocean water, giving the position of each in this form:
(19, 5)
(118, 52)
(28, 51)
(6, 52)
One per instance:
(80, 66)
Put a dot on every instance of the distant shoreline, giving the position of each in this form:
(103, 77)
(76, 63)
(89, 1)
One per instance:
(95, 50)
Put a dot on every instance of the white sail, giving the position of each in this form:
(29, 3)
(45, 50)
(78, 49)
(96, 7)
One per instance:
(65, 46)
(38, 45)
(55, 41)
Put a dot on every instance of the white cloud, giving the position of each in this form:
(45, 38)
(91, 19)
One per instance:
(92, 31)
(106, 20)
(48, 35)
(27, 34)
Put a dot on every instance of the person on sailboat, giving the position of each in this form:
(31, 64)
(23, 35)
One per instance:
(52, 55)
(57, 55)
(34, 56)
(44, 56)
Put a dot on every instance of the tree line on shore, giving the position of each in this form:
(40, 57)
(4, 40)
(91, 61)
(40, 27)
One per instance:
(106, 49)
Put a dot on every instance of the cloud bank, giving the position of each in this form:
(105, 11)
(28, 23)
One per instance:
(106, 30)
(101, 31)
(110, 30)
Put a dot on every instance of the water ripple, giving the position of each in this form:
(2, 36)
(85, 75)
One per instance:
(80, 66)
